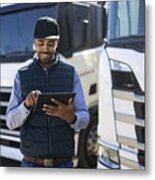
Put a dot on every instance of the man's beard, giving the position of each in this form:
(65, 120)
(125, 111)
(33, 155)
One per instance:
(49, 61)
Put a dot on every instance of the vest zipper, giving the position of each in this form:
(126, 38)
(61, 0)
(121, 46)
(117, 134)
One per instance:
(48, 118)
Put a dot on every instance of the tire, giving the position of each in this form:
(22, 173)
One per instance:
(88, 145)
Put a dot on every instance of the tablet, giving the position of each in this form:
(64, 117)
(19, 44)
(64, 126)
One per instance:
(45, 98)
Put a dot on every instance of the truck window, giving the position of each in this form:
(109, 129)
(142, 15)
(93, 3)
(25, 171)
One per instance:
(17, 29)
(130, 24)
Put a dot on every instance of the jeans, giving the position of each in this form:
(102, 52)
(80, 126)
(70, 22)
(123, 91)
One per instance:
(66, 164)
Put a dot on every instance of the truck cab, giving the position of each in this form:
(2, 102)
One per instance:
(82, 33)
(121, 126)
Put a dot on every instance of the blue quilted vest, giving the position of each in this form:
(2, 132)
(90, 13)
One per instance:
(42, 135)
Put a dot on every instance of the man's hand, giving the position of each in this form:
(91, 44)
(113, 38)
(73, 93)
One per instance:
(63, 111)
(31, 99)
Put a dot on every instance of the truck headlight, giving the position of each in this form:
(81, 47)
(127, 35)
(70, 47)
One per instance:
(122, 77)
(108, 157)
(118, 66)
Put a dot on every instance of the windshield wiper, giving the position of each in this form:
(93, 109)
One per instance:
(18, 56)
(127, 38)
(2, 56)
(132, 42)
(19, 53)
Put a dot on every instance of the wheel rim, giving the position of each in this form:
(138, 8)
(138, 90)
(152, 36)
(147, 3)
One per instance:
(92, 141)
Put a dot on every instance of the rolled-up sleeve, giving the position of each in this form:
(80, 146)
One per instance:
(16, 113)
(81, 110)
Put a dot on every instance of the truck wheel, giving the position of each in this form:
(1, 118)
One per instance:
(88, 145)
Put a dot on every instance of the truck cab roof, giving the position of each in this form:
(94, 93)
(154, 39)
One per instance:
(6, 9)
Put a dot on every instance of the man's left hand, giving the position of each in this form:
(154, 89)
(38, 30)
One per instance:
(63, 111)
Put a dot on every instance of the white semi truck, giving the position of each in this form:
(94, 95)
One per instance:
(82, 33)
(115, 100)
(121, 126)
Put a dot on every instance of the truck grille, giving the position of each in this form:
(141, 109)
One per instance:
(3, 110)
(8, 137)
(5, 96)
(126, 82)
(140, 110)
(140, 131)
(141, 157)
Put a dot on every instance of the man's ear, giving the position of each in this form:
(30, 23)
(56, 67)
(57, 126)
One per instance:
(34, 47)
(58, 40)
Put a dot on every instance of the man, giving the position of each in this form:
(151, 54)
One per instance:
(47, 137)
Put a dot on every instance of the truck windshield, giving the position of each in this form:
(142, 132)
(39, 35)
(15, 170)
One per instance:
(16, 30)
(125, 20)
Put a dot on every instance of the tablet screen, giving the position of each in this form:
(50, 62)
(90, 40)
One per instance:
(46, 98)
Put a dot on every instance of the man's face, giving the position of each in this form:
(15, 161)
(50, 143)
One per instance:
(45, 49)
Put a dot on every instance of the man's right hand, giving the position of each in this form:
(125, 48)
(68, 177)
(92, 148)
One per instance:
(31, 99)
